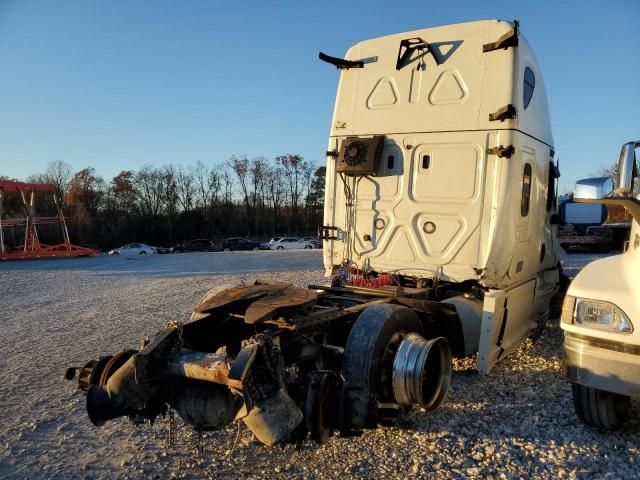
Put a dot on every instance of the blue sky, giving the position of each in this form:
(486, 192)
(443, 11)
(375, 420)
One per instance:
(120, 84)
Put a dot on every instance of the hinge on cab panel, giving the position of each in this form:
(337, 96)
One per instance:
(508, 111)
(502, 151)
(328, 232)
(509, 39)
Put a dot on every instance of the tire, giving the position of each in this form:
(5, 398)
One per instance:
(255, 249)
(280, 248)
(308, 247)
(599, 408)
(226, 249)
(142, 253)
(368, 358)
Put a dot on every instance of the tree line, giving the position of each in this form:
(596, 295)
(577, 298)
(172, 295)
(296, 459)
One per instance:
(255, 197)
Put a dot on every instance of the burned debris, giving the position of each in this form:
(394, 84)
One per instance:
(285, 360)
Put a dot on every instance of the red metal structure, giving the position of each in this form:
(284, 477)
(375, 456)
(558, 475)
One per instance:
(31, 247)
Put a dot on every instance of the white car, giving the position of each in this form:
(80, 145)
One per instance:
(290, 243)
(132, 249)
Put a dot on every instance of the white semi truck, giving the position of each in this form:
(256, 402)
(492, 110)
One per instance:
(440, 169)
(601, 312)
(438, 236)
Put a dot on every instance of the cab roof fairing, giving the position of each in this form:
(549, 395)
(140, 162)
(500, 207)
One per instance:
(350, 117)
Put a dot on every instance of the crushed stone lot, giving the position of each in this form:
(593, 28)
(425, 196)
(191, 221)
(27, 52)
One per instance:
(518, 422)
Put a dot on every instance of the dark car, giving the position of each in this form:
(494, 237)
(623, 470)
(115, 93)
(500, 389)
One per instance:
(198, 245)
(238, 243)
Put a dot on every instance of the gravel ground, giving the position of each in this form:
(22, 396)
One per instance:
(518, 422)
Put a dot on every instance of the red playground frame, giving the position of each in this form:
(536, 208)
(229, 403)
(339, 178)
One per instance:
(31, 247)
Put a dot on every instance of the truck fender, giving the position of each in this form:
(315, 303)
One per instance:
(469, 312)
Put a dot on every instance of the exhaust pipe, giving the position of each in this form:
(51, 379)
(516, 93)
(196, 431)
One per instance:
(122, 395)
(421, 371)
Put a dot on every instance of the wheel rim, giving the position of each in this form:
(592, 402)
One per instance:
(386, 366)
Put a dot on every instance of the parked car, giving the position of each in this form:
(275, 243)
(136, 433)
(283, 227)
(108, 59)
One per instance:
(238, 243)
(291, 243)
(161, 250)
(267, 245)
(197, 245)
(313, 241)
(133, 249)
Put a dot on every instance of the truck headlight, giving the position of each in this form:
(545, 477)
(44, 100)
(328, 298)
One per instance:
(600, 315)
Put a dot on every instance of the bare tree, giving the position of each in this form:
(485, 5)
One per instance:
(184, 188)
(251, 175)
(59, 173)
(275, 194)
(241, 166)
(315, 196)
(123, 192)
(297, 172)
(202, 181)
(149, 186)
(170, 190)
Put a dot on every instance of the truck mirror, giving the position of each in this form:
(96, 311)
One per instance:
(627, 168)
(593, 188)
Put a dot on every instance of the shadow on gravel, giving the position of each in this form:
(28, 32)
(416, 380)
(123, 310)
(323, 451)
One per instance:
(524, 408)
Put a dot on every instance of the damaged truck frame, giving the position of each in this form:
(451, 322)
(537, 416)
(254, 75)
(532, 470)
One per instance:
(438, 236)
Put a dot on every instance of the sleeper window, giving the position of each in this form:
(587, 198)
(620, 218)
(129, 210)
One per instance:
(527, 87)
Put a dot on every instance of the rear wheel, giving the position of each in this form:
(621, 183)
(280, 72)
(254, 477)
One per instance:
(142, 253)
(226, 249)
(308, 247)
(368, 359)
(599, 408)
(280, 248)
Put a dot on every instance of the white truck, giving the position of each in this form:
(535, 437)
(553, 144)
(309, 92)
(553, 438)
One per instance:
(438, 236)
(440, 171)
(601, 313)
